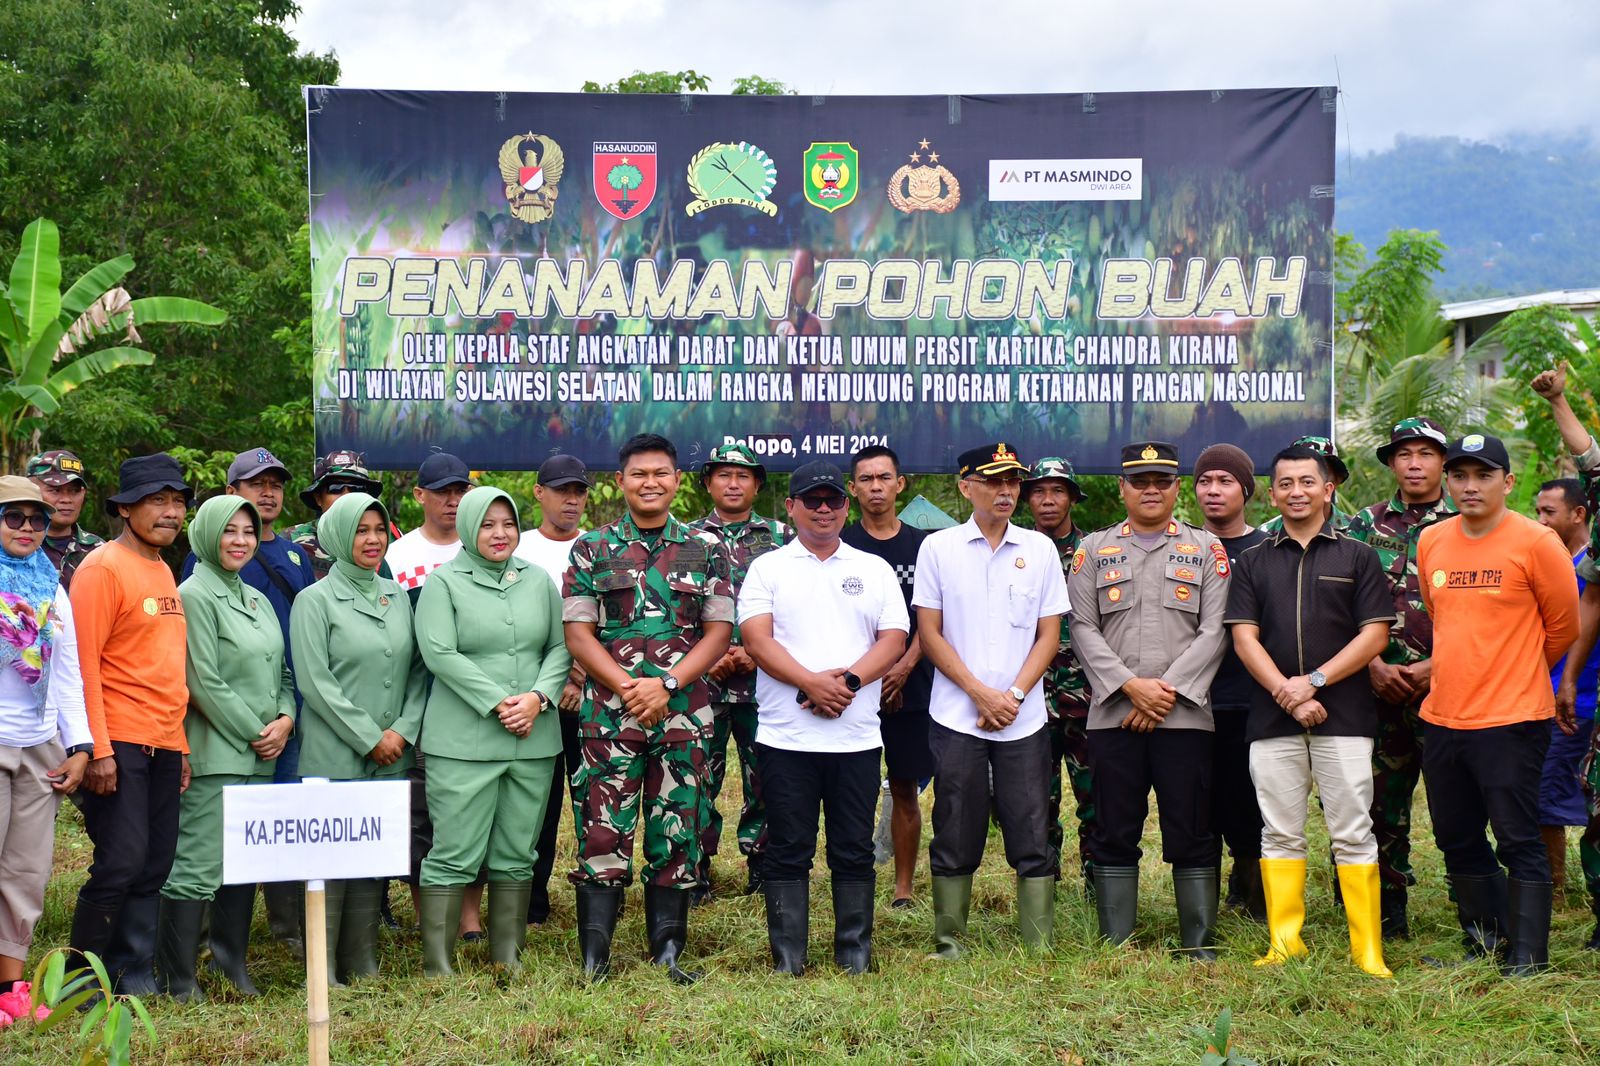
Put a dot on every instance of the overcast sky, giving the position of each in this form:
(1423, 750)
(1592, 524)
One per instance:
(1479, 69)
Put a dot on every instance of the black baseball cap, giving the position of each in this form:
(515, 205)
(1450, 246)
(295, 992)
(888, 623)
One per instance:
(1149, 457)
(440, 470)
(819, 474)
(1479, 448)
(561, 470)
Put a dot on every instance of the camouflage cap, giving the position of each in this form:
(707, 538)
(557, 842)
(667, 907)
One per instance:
(1325, 447)
(56, 468)
(341, 465)
(1053, 466)
(1417, 427)
(734, 455)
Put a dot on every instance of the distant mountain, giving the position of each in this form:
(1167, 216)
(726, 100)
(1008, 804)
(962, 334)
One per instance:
(1517, 219)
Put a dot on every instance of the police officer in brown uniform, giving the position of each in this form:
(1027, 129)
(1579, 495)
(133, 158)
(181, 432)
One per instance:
(1148, 595)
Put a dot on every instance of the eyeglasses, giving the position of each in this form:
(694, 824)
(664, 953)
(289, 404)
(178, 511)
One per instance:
(1155, 481)
(999, 481)
(17, 519)
(818, 501)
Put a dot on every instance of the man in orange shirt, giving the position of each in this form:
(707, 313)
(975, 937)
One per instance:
(131, 644)
(1505, 609)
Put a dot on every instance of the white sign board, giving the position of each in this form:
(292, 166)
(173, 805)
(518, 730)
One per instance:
(316, 830)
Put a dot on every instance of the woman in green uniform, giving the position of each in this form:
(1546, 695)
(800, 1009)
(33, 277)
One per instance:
(241, 713)
(362, 686)
(489, 626)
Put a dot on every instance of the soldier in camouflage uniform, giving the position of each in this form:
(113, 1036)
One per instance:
(1050, 490)
(1401, 675)
(334, 475)
(1324, 447)
(648, 607)
(734, 478)
(59, 475)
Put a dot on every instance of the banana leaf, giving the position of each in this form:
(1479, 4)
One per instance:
(176, 309)
(87, 289)
(35, 288)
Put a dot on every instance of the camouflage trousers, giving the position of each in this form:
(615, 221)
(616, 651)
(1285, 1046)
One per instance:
(737, 720)
(1396, 768)
(1069, 744)
(1589, 842)
(615, 778)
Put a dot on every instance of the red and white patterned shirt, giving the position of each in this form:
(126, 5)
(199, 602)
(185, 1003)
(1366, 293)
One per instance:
(413, 557)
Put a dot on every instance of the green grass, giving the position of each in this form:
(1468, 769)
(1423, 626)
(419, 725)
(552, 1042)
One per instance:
(1089, 1003)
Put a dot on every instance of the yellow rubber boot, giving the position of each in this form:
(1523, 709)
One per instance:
(1284, 882)
(1363, 910)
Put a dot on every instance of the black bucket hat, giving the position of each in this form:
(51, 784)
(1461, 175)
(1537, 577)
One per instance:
(145, 475)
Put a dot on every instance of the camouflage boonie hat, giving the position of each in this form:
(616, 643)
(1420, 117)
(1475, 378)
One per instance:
(342, 465)
(1325, 448)
(1053, 466)
(734, 455)
(56, 468)
(1417, 427)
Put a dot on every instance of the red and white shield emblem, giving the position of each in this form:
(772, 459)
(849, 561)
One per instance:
(625, 176)
(531, 177)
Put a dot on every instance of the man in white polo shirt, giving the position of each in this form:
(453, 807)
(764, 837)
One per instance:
(824, 622)
(989, 599)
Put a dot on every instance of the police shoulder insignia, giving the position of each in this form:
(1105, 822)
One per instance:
(1220, 555)
(1078, 558)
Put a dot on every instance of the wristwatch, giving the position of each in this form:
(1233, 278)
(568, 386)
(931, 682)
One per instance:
(852, 682)
(1317, 678)
(1016, 693)
(669, 683)
(81, 749)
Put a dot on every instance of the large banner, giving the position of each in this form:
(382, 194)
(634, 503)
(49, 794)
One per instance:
(511, 275)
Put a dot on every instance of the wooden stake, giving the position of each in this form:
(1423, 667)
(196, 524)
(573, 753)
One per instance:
(316, 932)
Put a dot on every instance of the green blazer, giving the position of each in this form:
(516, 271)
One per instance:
(483, 640)
(357, 667)
(238, 680)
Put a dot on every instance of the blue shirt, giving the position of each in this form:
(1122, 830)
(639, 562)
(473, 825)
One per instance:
(287, 561)
(1590, 678)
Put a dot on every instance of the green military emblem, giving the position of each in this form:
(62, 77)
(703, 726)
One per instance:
(723, 174)
(831, 174)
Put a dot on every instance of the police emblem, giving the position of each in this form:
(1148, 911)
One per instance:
(1114, 594)
(929, 187)
(1077, 559)
(1021, 563)
(625, 176)
(721, 174)
(1220, 555)
(831, 174)
(530, 166)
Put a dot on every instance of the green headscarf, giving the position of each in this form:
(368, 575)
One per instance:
(205, 537)
(469, 516)
(336, 532)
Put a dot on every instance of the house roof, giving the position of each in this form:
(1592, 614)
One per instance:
(1503, 305)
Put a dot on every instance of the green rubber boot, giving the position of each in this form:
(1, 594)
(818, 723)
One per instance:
(952, 898)
(508, 922)
(1036, 911)
(441, 913)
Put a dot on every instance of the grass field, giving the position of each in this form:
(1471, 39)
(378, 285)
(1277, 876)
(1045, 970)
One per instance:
(1087, 1003)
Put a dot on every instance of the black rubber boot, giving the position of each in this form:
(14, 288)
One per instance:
(508, 922)
(333, 906)
(1482, 910)
(1252, 893)
(1594, 938)
(1529, 908)
(757, 877)
(286, 913)
(538, 903)
(358, 935)
(231, 912)
(599, 907)
(1392, 912)
(666, 922)
(92, 926)
(132, 964)
(788, 923)
(852, 925)
(1195, 889)
(177, 947)
(1116, 901)
(700, 894)
(440, 914)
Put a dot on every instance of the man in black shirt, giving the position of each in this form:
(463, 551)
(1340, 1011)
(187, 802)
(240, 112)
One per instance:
(876, 483)
(1224, 480)
(1308, 608)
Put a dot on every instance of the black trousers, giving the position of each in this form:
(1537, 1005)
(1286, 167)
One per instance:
(1235, 814)
(561, 780)
(1482, 778)
(963, 768)
(797, 786)
(135, 828)
(1177, 763)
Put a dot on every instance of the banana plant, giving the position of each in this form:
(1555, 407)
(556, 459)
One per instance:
(46, 334)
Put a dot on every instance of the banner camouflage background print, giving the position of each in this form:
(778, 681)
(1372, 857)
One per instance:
(510, 275)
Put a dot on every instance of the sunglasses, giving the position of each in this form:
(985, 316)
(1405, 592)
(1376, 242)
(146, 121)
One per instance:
(339, 488)
(17, 519)
(816, 502)
(1156, 482)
